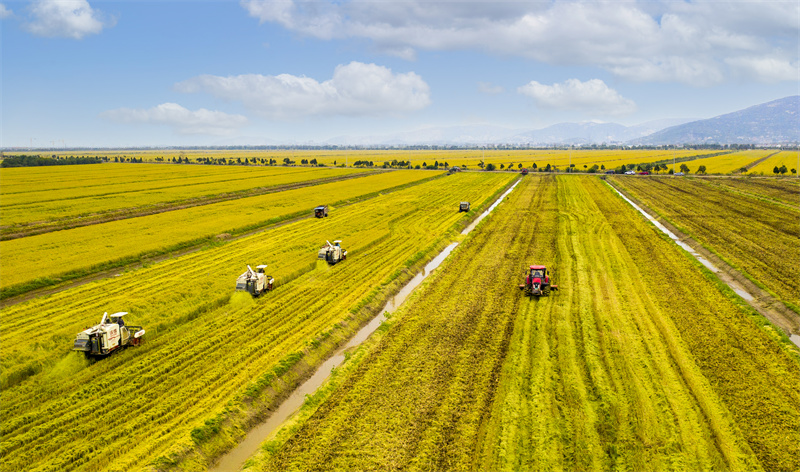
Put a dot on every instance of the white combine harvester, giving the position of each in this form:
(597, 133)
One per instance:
(110, 335)
(255, 282)
(332, 253)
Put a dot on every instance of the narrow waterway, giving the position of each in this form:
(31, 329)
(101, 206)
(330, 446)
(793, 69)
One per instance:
(236, 457)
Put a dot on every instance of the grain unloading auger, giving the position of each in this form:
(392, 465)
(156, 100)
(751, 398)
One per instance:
(332, 253)
(255, 282)
(537, 281)
(108, 336)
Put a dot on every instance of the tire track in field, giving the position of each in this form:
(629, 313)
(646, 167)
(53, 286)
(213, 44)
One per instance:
(440, 360)
(589, 382)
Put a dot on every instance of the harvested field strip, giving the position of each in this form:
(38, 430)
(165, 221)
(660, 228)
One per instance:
(80, 251)
(757, 237)
(414, 400)
(71, 208)
(200, 364)
(612, 373)
(784, 191)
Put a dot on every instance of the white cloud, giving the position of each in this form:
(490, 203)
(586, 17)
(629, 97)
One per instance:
(5, 12)
(592, 95)
(489, 89)
(688, 42)
(65, 18)
(766, 69)
(356, 89)
(184, 121)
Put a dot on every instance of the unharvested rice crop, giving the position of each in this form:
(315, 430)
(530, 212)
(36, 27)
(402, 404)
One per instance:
(63, 254)
(211, 362)
(33, 195)
(727, 163)
(508, 158)
(790, 159)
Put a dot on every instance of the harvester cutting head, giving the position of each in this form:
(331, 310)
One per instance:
(255, 282)
(332, 253)
(111, 334)
(537, 281)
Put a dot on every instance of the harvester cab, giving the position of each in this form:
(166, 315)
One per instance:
(537, 281)
(255, 282)
(321, 211)
(111, 334)
(332, 253)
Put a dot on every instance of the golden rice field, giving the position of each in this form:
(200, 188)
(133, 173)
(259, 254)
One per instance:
(727, 163)
(55, 195)
(77, 251)
(637, 363)
(208, 354)
(642, 360)
(790, 159)
(561, 158)
(758, 237)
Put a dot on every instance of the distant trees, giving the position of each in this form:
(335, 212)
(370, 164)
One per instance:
(489, 166)
(684, 168)
(701, 170)
(37, 161)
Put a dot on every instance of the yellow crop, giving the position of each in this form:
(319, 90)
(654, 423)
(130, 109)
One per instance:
(208, 354)
(637, 363)
(35, 194)
(87, 248)
(790, 159)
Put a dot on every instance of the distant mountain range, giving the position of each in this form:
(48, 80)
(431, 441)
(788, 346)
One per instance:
(775, 122)
(558, 134)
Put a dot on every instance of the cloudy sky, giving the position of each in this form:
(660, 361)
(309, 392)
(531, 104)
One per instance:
(139, 73)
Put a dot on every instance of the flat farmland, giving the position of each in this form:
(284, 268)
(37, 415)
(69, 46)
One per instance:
(561, 158)
(642, 360)
(55, 196)
(785, 191)
(757, 236)
(79, 251)
(638, 363)
(790, 159)
(727, 163)
(209, 356)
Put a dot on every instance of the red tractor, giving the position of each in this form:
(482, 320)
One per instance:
(537, 281)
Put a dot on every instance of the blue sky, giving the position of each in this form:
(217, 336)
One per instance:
(151, 73)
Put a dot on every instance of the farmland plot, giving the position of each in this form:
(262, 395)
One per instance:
(790, 159)
(727, 163)
(214, 362)
(65, 254)
(639, 363)
(755, 236)
(60, 195)
(786, 191)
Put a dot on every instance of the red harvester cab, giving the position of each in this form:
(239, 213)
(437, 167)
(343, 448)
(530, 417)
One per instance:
(537, 281)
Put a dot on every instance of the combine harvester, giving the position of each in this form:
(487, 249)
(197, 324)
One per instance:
(107, 337)
(537, 282)
(255, 282)
(332, 253)
(464, 206)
